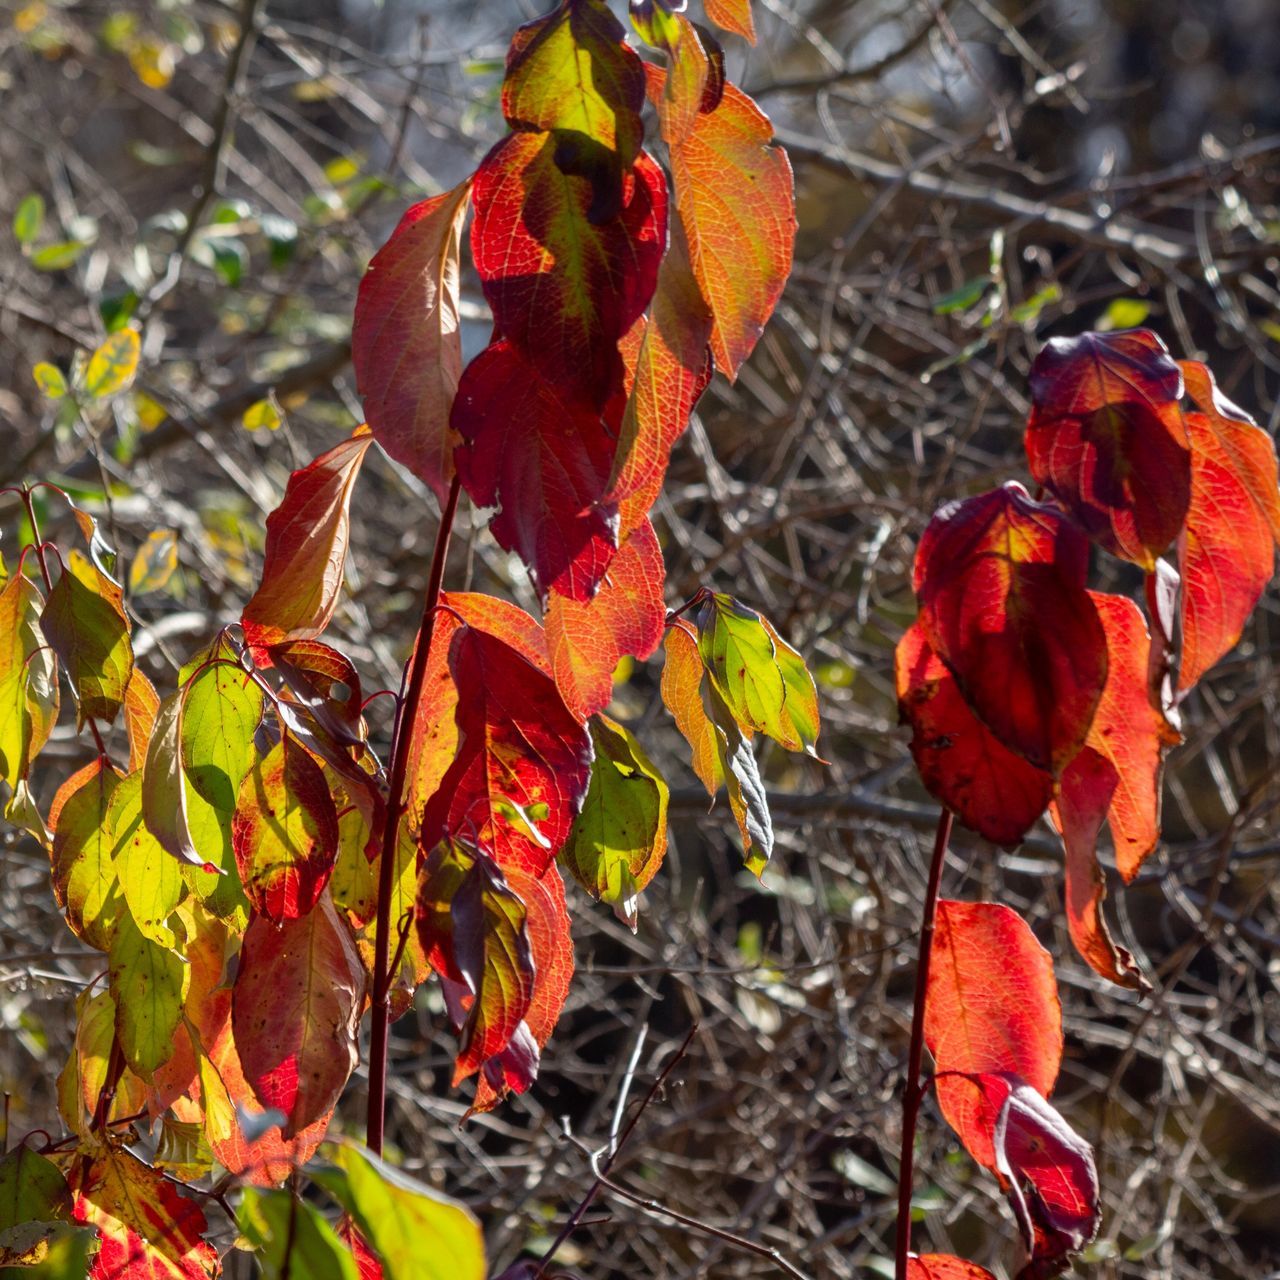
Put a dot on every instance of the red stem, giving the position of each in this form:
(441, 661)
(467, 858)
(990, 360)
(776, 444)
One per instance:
(914, 1093)
(406, 714)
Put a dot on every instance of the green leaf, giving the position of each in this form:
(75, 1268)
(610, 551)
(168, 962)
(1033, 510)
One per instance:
(84, 621)
(150, 878)
(53, 386)
(58, 257)
(116, 309)
(31, 1189)
(28, 219)
(961, 299)
(762, 679)
(148, 983)
(417, 1233)
(85, 883)
(1124, 313)
(620, 837)
(113, 365)
(28, 680)
(229, 260)
(747, 797)
(292, 1240)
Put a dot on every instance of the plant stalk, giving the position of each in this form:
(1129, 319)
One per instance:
(406, 715)
(913, 1094)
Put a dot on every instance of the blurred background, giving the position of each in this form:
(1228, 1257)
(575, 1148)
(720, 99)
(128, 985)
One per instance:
(973, 176)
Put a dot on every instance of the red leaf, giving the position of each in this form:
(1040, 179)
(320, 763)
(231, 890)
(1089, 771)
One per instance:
(1228, 552)
(1045, 1168)
(543, 459)
(306, 549)
(148, 1228)
(740, 248)
(325, 682)
(961, 762)
(284, 832)
(1106, 438)
(668, 367)
(587, 640)
(367, 1265)
(1000, 580)
(295, 1011)
(732, 15)
(944, 1266)
(539, 253)
(992, 1005)
(523, 759)
(548, 925)
(405, 343)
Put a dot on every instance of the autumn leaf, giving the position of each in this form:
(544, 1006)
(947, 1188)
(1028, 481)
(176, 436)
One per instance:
(284, 832)
(1227, 552)
(148, 983)
(406, 346)
(84, 621)
(681, 688)
(1106, 438)
(587, 639)
(164, 794)
(695, 73)
(538, 253)
(150, 878)
(141, 705)
(991, 1006)
(155, 563)
(147, 1226)
(28, 680)
(292, 1240)
(34, 1200)
(523, 760)
(306, 548)
(740, 249)
(620, 838)
(1000, 581)
(327, 684)
(543, 458)
(944, 1266)
(85, 883)
(961, 762)
(295, 1011)
(112, 366)
(732, 15)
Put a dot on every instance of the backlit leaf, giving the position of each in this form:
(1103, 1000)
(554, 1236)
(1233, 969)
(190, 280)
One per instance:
(944, 1266)
(1227, 555)
(543, 459)
(961, 762)
(149, 1228)
(538, 253)
(150, 878)
(682, 677)
(416, 1233)
(523, 760)
(285, 832)
(28, 679)
(326, 683)
(991, 1005)
(112, 366)
(306, 548)
(620, 838)
(148, 983)
(588, 639)
(405, 341)
(295, 1010)
(1106, 438)
(740, 248)
(762, 679)
(732, 15)
(741, 773)
(263, 415)
(155, 562)
(84, 621)
(141, 706)
(84, 1077)
(48, 377)
(85, 883)
(164, 796)
(293, 1241)
(1000, 580)
(28, 218)
(691, 75)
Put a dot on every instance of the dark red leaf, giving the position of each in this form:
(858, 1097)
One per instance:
(543, 458)
(1227, 555)
(1000, 580)
(1106, 438)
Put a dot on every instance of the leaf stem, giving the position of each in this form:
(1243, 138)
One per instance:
(406, 714)
(913, 1093)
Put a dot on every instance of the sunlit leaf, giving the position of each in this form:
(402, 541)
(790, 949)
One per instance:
(155, 562)
(944, 1266)
(296, 1005)
(682, 677)
(620, 838)
(732, 15)
(60, 256)
(293, 1241)
(263, 415)
(148, 983)
(150, 878)
(141, 706)
(112, 366)
(28, 679)
(28, 219)
(164, 796)
(737, 765)
(48, 377)
(405, 342)
(306, 548)
(85, 882)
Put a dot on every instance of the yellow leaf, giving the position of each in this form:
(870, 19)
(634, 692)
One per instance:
(153, 62)
(50, 380)
(263, 415)
(155, 562)
(29, 17)
(113, 364)
(149, 412)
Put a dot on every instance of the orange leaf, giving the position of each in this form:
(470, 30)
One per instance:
(1000, 580)
(405, 343)
(732, 15)
(149, 1229)
(961, 762)
(141, 703)
(1106, 437)
(682, 674)
(1228, 552)
(740, 248)
(587, 640)
(992, 1005)
(306, 548)
(944, 1266)
(295, 1011)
